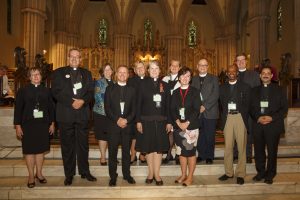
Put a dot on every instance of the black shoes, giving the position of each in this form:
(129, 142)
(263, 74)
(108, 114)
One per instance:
(149, 181)
(159, 183)
(112, 182)
(268, 181)
(249, 160)
(224, 177)
(89, 177)
(43, 180)
(130, 180)
(31, 185)
(240, 180)
(209, 161)
(68, 180)
(257, 178)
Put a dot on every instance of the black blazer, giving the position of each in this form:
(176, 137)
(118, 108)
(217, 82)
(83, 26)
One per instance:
(243, 101)
(277, 109)
(112, 105)
(191, 104)
(62, 90)
(26, 101)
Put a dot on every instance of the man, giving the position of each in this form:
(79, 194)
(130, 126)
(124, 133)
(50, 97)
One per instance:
(72, 88)
(251, 78)
(135, 81)
(234, 98)
(173, 84)
(208, 86)
(119, 103)
(268, 109)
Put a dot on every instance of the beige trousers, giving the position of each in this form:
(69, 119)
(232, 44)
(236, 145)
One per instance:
(235, 130)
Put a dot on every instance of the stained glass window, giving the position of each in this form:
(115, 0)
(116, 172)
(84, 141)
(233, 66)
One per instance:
(192, 34)
(102, 32)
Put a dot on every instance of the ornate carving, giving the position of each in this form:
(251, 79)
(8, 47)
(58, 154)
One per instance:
(279, 21)
(285, 75)
(102, 32)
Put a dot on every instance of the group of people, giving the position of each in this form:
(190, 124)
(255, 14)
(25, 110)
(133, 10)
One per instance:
(150, 114)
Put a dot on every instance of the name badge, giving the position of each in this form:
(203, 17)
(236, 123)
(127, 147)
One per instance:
(157, 100)
(264, 104)
(201, 97)
(37, 114)
(231, 106)
(181, 113)
(77, 86)
(122, 105)
(74, 91)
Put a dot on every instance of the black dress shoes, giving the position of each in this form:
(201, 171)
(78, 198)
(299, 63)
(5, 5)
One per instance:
(31, 185)
(130, 180)
(148, 180)
(168, 159)
(268, 181)
(43, 180)
(240, 180)
(209, 161)
(89, 177)
(257, 178)
(159, 183)
(68, 180)
(224, 177)
(112, 182)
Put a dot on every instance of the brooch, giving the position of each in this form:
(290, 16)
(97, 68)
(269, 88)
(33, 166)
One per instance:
(67, 75)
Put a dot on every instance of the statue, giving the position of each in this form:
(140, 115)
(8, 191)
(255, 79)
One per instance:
(20, 63)
(41, 62)
(285, 75)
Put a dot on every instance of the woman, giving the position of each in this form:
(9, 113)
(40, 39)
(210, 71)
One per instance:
(153, 121)
(100, 121)
(34, 121)
(185, 107)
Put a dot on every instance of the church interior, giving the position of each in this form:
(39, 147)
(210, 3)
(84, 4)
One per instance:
(121, 32)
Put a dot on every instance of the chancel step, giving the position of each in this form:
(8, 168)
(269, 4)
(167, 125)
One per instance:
(15, 188)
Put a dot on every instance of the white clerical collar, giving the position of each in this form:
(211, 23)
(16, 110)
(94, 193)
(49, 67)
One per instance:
(242, 70)
(74, 68)
(266, 85)
(202, 75)
(142, 77)
(184, 87)
(36, 85)
(121, 84)
(232, 83)
(155, 79)
(173, 76)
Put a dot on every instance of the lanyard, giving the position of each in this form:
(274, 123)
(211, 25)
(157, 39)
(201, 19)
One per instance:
(183, 96)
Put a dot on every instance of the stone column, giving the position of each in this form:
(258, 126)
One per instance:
(122, 49)
(258, 24)
(34, 17)
(60, 49)
(297, 38)
(174, 48)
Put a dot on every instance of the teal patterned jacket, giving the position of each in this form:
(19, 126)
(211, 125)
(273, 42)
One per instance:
(100, 87)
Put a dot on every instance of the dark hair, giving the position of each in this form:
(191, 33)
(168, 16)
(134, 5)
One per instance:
(101, 70)
(184, 70)
(241, 54)
(122, 66)
(266, 67)
(32, 69)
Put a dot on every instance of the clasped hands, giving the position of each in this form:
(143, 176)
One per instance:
(264, 119)
(77, 103)
(122, 122)
(139, 127)
(182, 125)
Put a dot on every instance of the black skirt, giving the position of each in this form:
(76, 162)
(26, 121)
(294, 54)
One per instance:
(154, 137)
(101, 127)
(35, 138)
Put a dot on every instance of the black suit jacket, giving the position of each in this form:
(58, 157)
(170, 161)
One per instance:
(112, 106)
(62, 90)
(277, 109)
(243, 101)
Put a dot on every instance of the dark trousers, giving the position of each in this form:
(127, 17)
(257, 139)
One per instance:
(74, 143)
(206, 140)
(266, 135)
(249, 140)
(122, 137)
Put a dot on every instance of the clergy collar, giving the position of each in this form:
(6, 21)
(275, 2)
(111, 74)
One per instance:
(184, 87)
(121, 84)
(232, 83)
(202, 75)
(242, 70)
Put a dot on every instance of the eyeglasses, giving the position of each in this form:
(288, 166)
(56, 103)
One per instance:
(74, 57)
(202, 65)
